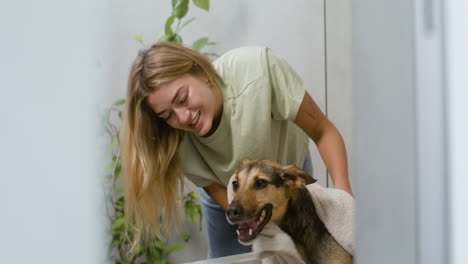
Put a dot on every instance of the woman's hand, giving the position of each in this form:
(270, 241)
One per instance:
(218, 193)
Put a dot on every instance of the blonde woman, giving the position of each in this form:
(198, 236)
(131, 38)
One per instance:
(186, 116)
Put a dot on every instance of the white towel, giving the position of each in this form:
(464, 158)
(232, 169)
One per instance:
(336, 209)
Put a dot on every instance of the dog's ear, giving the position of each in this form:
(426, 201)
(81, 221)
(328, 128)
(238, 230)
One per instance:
(293, 173)
(245, 161)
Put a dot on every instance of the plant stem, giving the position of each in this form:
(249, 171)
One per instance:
(133, 259)
(122, 253)
(178, 25)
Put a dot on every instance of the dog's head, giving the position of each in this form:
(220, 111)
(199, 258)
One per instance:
(262, 190)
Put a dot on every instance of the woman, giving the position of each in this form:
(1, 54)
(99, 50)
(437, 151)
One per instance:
(187, 117)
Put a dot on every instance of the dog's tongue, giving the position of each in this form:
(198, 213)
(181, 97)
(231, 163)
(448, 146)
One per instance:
(252, 225)
(244, 230)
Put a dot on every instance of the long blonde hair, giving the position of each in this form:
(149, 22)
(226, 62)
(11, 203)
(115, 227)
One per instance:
(149, 146)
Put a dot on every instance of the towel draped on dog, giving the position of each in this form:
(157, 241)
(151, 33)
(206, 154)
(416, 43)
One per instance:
(336, 209)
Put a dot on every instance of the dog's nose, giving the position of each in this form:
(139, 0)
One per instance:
(234, 212)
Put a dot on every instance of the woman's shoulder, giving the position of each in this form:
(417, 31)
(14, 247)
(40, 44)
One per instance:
(243, 51)
(241, 56)
(242, 65)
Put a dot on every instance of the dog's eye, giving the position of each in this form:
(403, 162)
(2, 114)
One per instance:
(260, 184)
(235, 185)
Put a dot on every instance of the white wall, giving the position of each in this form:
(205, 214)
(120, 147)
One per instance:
(457, 89)
(338, 75)
(384, 131)
(51, 80)
(410, 129)
(430, 134)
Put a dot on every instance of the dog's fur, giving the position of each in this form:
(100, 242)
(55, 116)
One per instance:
(261, 183)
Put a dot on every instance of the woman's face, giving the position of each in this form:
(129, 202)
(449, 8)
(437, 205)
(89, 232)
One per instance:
(187, 103)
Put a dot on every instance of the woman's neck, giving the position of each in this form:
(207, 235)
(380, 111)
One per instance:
(218, 109)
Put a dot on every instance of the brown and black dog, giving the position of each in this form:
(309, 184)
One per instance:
(264, 191)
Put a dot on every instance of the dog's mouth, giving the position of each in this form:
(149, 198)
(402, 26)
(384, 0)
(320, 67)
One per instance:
(249, 230)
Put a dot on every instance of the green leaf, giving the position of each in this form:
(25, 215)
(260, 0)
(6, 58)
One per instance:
(200, 43)
(168, 27)
(119, 102)
(192, 213)
(193, 195)
(175, 247)
(117, 170)
(160, 245)
(120, 202)
(192, 209)
(111, 146)
(118, 191)
(178, 39)
(154, 254)
(166, 37)
(203, 4)
(119, 206)
(114, 167)
(110, 166)
(139, 38)
(200, 214)
(160, 261)
(180, 8)
(186, 23)
(158, 37)
(140, 251)
(186, 237)
(118, 225)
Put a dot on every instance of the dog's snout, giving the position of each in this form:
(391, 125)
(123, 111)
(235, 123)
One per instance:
(234, 212)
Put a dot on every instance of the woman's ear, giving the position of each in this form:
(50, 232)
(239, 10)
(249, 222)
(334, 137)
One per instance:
(291, 172)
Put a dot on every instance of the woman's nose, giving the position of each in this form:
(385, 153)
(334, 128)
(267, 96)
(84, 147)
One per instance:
(183, 115)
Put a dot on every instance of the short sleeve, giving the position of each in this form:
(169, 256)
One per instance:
(287, 87)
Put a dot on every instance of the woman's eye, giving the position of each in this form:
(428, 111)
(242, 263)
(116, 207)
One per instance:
(168, 117)
(183, 100)
(260, 184)
(235, 185)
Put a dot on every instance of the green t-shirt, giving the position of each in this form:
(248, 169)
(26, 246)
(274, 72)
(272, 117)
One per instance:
(261, 97)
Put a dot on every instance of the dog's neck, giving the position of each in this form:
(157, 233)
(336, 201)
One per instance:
(302, 223)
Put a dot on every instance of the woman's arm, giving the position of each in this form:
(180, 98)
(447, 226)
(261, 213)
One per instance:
(328, 140)
(218, 193)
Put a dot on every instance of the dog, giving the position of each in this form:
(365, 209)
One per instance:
(264, 191)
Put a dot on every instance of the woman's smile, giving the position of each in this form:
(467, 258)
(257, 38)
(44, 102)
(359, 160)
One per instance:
(188, 103)
(196, 120)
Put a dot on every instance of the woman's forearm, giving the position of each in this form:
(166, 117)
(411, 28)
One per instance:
(333, 152)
